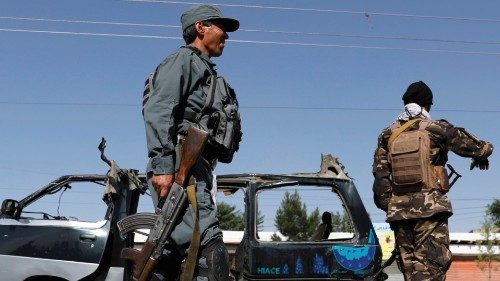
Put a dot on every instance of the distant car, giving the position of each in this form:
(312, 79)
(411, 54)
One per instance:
(38, 245)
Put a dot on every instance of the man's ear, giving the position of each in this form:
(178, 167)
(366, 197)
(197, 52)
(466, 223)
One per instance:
(199, 27)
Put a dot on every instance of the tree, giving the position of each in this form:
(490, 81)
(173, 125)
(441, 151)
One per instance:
(275, 237)
(292, 220)
(341, 223)
(493, 212)
(260, 221)
(229, 218)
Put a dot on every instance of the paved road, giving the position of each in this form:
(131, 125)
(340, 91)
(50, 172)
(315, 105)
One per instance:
(394, 273)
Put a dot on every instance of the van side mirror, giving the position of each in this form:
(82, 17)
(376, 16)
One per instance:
(11, 208)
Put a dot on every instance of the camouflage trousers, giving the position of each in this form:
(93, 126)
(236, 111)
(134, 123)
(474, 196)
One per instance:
(423, 246)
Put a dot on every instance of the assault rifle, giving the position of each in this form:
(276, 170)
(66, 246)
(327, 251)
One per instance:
(453, 172)
(167, 213)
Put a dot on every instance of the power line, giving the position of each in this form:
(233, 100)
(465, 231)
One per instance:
(260, 42)
(361, 109)
(70, 104)
(252, 107)
(91, 22)
(469, 213)
(474, 199)
(367, 47)
(404, 38)
(469, 208)
(91, 34)
(458, 199)
(26, 171)
(365, 14)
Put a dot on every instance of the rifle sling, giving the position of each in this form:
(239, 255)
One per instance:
(398, 131)
(191, 260)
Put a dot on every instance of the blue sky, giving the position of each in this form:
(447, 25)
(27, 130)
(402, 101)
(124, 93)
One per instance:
(65, 84)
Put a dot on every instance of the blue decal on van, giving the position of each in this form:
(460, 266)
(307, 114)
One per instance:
(355, 257)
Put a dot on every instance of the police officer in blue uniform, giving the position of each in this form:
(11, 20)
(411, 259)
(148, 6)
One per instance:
(185, 90)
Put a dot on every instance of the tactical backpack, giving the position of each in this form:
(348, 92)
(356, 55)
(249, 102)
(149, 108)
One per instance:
(409, 156)
(220, 118)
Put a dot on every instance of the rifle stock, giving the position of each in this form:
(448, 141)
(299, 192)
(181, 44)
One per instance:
(145, 260)
(192, 148)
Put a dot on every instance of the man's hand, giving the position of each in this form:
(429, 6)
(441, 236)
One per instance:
(162, 184)
(482, 164)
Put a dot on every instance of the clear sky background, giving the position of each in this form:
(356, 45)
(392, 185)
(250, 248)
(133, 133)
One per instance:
(311, 77)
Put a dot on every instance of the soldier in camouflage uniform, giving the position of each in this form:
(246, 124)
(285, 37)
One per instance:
(420, 219)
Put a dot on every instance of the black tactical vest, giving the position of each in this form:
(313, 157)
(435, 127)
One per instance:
(221, 119)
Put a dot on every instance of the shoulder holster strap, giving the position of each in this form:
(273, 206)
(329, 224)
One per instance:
(191, 260)
(209, 101)
(399, 130)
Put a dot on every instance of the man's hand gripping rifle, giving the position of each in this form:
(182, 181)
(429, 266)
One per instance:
(162, 223)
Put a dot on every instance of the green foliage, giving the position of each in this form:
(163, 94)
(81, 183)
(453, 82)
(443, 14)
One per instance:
(260, 221)
(292, 220)
(229, 218)
(232, 219)
(488, 258)
(493, 212)
(275, 238)
(341, 223)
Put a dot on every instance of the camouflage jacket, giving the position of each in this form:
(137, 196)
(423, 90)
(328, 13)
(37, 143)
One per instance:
(444, 137)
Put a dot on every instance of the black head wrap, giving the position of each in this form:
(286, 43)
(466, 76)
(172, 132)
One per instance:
(419, 93)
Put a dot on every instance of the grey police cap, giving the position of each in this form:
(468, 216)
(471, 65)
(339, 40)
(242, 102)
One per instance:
(210, 13)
